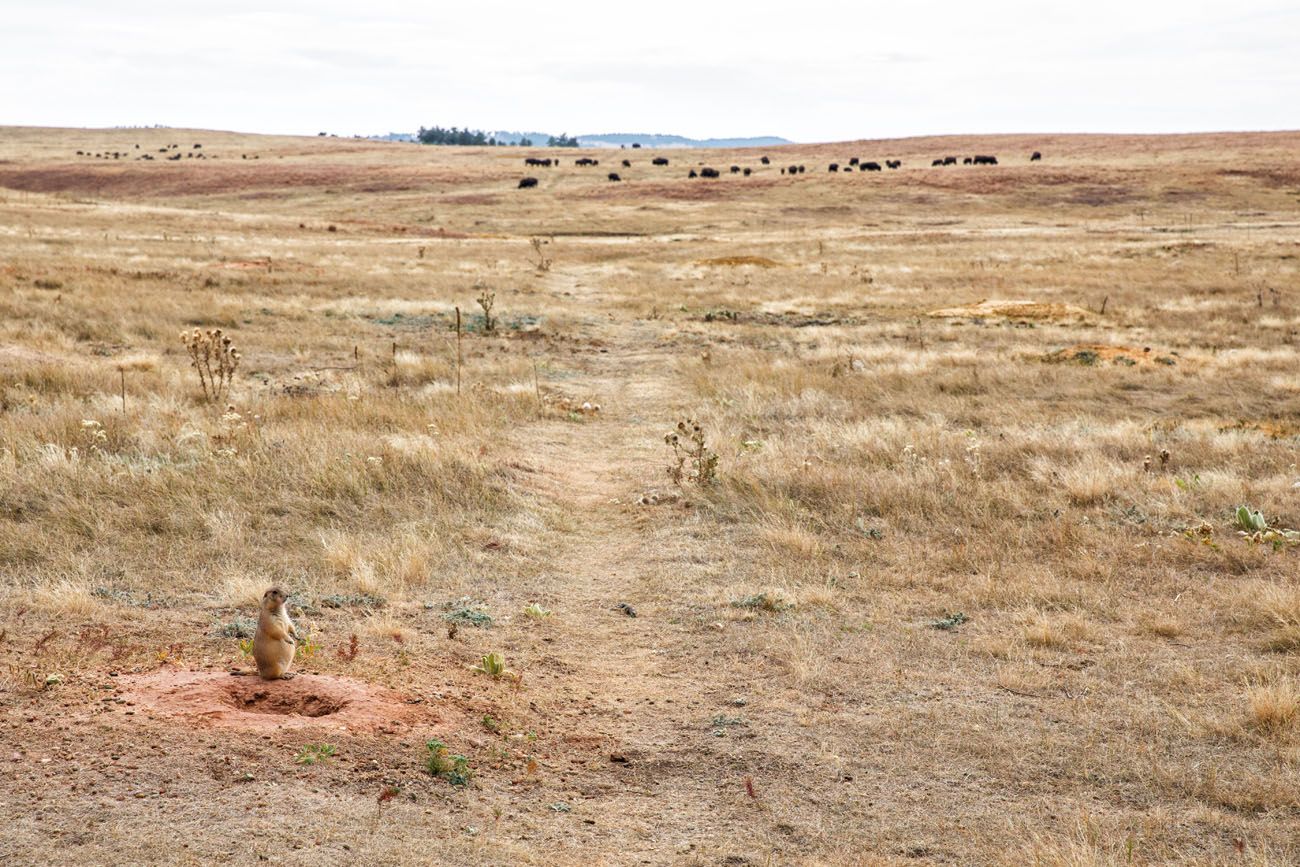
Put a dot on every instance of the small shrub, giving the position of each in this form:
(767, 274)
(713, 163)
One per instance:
(542, 264)
(762, 602)
(487, 300)
(449, 766)
(536, 612)
(693, 460)
(349, 653)
(215, 360)
(950, 622)
(468, 612)
(305, 646)
(313, 753)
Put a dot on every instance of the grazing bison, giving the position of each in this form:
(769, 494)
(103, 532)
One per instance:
(793, 170)
(936, 162)
(871, 167)
(613, 176)
(765, 161)
(950, 161)
(802, 169)
(833, 167)
(735, 170)
(1035, 157)
(627, 164)
(586, 161)
(966, 161)
(985, 161)
(692, 174)
(893, 164)
(748, 171)
(853, 161)
(707, 172)
(525, 183)
(659, 161)
(847, 169)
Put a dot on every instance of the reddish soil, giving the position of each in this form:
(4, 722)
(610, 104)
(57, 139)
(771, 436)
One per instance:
(248, 702)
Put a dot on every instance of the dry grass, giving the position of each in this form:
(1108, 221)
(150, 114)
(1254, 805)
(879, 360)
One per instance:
(796, 685)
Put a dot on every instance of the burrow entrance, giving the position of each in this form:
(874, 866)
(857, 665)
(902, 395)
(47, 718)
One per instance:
(248, 702)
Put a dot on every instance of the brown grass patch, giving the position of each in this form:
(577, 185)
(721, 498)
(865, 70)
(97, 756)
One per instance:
(737, 261)
(1017, 310)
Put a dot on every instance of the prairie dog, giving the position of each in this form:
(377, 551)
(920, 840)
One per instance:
(274, 643)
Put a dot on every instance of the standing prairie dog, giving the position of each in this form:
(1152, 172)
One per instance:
(274, 643)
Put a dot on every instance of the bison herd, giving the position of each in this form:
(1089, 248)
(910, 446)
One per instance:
(172, 149)
(857, 163)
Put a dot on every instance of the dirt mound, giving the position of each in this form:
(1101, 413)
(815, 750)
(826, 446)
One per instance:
(248, 702)
(735, 261)
(1022, 310)
(1098, 353)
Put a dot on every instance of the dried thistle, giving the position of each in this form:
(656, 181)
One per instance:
(215, 358)
(693, 460)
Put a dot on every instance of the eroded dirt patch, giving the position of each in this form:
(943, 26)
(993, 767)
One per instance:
(1127, 356)
(249, 702)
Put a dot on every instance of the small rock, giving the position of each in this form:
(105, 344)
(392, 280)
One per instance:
(626, 609)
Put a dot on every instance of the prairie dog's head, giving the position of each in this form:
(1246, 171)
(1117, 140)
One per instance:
(273, 600)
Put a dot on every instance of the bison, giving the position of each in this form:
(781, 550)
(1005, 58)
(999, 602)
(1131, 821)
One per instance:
(613, 176)
(627, 164)
(853, 161)
(735, 170)
(793, 170)
(692, 174)
(707, 172)
(525, 183)
(748, 171)
(870, 167)
(950, 161)
(659, 161)
(1035, 157)
(833, 167)
(765, 161)
(983, 160)
(802, 169)
(893, 164)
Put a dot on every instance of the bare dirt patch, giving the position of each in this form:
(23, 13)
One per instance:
(1099, 353)
(1020, 310)
(249, 702)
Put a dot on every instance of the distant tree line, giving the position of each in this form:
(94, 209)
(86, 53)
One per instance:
(437, 135)
(455, 136)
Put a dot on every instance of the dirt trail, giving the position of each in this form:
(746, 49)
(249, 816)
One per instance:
(640, 691)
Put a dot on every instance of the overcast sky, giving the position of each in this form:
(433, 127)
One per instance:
(809, 71)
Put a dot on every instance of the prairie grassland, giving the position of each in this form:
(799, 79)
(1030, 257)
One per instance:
(969, 588)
